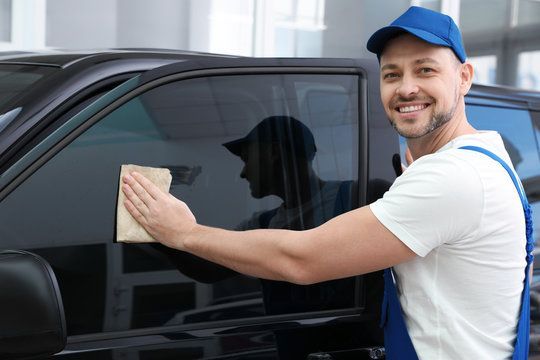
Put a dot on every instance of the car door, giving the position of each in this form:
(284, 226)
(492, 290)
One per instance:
(139, 301)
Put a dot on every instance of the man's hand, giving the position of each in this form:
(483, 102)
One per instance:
(167, 219)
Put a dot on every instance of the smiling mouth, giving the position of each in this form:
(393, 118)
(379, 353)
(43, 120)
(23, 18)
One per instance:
(411, 108)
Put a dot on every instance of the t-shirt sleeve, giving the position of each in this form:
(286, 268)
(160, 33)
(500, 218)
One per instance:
(437, 200)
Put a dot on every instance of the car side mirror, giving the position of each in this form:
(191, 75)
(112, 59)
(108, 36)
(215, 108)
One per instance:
(32, 319)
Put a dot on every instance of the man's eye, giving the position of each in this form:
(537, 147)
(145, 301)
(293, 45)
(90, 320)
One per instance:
(426, 70)
(390, 75)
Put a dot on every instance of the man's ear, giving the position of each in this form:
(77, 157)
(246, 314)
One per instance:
(466, 77)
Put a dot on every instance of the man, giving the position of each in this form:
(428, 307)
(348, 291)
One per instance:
(452, 226)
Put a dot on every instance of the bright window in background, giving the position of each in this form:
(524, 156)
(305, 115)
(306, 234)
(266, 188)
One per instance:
(307, 14)
(5, 20)
(485, 69)
(429, 4)
(298, 27)
(22, 24)
(231, 27)
(290, 28)
(529, 70)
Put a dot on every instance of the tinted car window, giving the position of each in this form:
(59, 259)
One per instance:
(245, 152)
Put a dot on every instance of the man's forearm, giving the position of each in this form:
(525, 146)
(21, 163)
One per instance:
(351, 244)
(266, 253)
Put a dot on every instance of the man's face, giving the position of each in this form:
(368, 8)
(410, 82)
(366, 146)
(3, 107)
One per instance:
(257, 168)
(420, 85)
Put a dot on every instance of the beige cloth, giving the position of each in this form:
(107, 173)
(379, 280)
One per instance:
(127, 228)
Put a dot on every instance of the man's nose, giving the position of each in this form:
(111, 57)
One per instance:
(408, 87)
(243, 172)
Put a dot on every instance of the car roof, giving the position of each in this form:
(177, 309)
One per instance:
(65, 59)
(506, 95)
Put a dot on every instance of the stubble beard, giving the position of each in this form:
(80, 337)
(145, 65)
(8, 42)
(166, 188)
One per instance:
(438, 120)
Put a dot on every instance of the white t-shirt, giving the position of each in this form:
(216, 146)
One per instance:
(459, 211)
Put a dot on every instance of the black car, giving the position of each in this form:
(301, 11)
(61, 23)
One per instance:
(67, 123)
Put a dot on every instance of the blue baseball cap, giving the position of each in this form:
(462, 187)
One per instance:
(428, 25)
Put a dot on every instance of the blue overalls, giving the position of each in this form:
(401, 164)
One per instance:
(397, 341)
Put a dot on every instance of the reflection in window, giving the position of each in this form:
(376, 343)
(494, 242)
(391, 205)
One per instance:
(485, 69)
(5, 20)
(529, 70)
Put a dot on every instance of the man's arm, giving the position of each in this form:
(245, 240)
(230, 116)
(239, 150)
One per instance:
(351, 244)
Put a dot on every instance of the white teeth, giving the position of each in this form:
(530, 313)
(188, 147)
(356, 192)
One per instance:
(406, 109)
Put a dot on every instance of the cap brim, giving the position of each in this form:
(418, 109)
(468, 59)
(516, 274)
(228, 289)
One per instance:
(235, 146)
(378, 40)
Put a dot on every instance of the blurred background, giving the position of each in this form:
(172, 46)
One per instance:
(501, 36)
